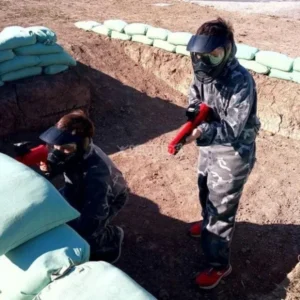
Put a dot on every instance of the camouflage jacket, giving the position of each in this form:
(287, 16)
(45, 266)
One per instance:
(233, 100)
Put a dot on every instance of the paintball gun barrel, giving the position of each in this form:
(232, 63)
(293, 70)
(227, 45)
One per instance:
(199, 114)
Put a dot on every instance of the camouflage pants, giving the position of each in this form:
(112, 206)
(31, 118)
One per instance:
(222, 174)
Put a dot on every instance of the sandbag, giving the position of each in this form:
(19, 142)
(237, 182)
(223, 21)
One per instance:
(38, 49)
(1, 83)
(62, 58)
(179, 38)
(33, 265)
(164, 45)
(16, 36)
(254, 66)
(281, 74)
(142, 39)
(17, 63)
(182, 50)
(136, 29)
(296, 76)
(30, 205)
(23, 73)
(6, 55)
(158, 33)
(43, 34)
(103, 30)
(296, 65)
(86, 25)
(120, 36)
(94, 281)
(274, 60)
(55, 69)
(115, 25)
(245, 51)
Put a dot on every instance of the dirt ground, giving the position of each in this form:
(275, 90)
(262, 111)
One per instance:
(136, 113)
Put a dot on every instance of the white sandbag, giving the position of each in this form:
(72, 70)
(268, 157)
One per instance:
(103, 30)
(136, 29)
(155, 33)
(254, 66)
(115, 25)
(296, 76)
(23, 73)
(164, 45)
(182, 50)
(179, 38)
(86, 25)
(15, 36)
(142, 39)
(18, 63)
(274, 60)
(281, 75)
(120, 36)
(95, 281)
(245, 52)
(55, 69)
(6, 55)
(32, 266)
(296, 65)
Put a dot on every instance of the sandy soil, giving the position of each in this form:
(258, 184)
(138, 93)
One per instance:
(137, 113)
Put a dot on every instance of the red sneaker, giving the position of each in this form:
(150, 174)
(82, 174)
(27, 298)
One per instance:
(210, 278)
(195, 230)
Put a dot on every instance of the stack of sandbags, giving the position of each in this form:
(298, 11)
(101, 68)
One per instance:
(31, 51)
(36, 246)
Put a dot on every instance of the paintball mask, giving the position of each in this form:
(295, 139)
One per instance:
(209, 56)
(57, 160)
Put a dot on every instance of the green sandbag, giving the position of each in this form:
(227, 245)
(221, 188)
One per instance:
(57, 59)
(32, 266)
(55, 69)
(182, 50)
(43, 34)
(136, 29)
(115, 25)
(164, 45)
(245, 51)
(30, 205)
(17, 63)
(6, 55)
(296, 65)
(15, 36)
(23, 73)
(179, 38)
(281, 74)
(39, 49)
(86, 25)
(274, 60)
(103, 30)
(296, 76)
(254, 66)
(120, 36)
(158, 33)
(95, 281)
(142, 39)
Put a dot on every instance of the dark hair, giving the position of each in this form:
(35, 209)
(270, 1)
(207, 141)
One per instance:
(218, 27)
(77, 123)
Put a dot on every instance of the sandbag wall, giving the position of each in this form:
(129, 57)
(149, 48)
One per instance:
(31, 51)
(270, 63)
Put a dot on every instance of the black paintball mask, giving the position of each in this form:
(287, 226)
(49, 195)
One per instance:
(209, 55)
(58, 161)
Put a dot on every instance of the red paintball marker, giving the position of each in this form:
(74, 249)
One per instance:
(30, 156)
(200, 114)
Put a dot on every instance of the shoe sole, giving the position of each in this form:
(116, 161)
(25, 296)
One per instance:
(120, 245)
(194, 236)
(228, 272)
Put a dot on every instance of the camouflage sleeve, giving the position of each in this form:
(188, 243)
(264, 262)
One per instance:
(231, 126)
(194, 95)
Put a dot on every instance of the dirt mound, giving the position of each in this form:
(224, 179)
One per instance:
(37, 102)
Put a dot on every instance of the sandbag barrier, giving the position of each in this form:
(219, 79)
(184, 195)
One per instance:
(270, 63)
(31, 51)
